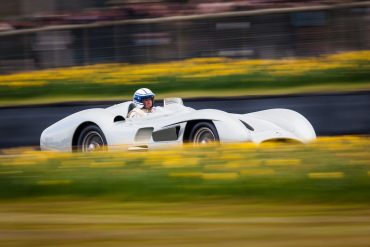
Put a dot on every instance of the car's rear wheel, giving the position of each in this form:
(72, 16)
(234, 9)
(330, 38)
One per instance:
(91, 139)
(203, 133)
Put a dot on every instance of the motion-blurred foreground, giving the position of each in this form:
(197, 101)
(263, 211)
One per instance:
(332, 169)
(236, 194)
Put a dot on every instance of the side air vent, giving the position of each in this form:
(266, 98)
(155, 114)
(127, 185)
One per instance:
(143, 135)
(169, 134)
(247, 125)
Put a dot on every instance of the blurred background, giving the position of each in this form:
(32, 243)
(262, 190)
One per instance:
(94, 53)
(41, 34)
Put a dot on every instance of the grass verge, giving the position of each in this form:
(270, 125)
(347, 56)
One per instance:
(329, 170)
(193, 77)
(234, 195)
(203, 223)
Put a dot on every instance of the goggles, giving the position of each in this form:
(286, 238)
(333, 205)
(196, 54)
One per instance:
(142, 98)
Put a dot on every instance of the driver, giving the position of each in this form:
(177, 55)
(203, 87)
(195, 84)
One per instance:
(144, 101)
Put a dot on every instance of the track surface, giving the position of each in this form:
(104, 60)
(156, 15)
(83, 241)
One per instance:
(330, 114)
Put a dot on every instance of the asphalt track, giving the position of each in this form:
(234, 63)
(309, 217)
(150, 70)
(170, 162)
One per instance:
(330, 114)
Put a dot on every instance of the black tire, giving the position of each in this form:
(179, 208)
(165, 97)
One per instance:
(91, 139)
(203, 133)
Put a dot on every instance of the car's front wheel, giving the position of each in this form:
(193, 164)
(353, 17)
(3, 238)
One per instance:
(91, 139)
(203, 133)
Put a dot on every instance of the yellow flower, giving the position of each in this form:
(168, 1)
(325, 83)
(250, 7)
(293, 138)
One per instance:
(131, 74)
(325, 175)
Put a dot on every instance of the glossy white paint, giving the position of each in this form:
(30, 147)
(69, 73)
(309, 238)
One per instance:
(135, 132)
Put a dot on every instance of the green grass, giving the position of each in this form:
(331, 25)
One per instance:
(203, 223)
(278, 173)
(261, 83)
(234, 195)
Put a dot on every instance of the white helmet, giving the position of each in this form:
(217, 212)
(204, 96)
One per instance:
(142, 94)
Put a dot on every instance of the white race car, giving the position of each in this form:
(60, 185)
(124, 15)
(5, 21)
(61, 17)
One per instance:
(174, 123)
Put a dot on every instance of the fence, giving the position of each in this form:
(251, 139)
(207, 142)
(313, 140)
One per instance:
(254, 34)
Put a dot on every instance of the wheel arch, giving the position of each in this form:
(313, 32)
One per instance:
(78, 131)
(189, 126)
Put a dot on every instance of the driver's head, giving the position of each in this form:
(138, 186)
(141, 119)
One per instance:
(144, 98)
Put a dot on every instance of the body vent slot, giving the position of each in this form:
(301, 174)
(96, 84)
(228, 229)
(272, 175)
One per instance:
(247, 125)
